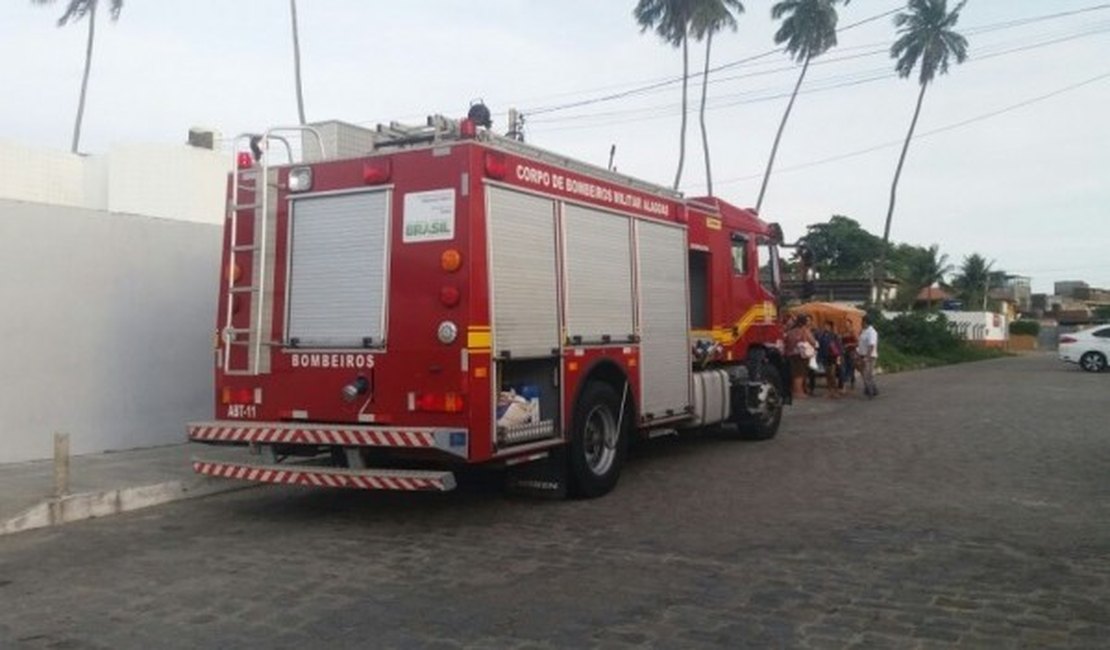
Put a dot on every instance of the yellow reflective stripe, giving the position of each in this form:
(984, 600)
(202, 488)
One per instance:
(478, 337)
(765, 311)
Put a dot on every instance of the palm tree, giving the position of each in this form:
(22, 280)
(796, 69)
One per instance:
(931, 269)
(973, 279)
(671, 21)
(926, 37)
(75, 11)
(809, 30)
(297, 60)
(710, 17)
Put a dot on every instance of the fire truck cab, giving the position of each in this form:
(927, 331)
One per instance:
(401, 302)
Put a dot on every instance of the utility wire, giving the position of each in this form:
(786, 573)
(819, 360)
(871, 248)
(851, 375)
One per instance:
(532, 112)
(673, 80)
(926, 134)
(658, 112)
(662, 83)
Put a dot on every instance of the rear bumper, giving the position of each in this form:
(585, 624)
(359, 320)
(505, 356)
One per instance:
(449, 440)
(331, 477)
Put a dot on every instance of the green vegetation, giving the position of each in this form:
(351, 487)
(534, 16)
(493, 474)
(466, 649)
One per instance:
(844, 250)
(891, 359)
(1025, 327)
(913, 341)
(918, 268)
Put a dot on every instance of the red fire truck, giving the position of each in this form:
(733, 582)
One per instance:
(402, 302)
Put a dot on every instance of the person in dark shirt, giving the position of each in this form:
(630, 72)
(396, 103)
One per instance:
(830, 349)
(848, 357)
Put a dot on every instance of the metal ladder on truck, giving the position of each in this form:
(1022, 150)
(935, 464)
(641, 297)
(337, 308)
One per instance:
(251, 188)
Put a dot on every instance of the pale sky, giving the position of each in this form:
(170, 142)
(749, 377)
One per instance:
(1028, 187)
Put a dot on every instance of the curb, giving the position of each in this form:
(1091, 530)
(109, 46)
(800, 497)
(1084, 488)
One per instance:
(90, 505)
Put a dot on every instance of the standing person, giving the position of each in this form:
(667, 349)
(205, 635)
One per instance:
(869, 353)
(848, 355)
(829, 350)
(800, 347)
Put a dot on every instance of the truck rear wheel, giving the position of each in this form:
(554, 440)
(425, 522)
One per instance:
(762, 424)
(598, 442)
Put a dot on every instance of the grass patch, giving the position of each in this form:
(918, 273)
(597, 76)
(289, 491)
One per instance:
(892, 359)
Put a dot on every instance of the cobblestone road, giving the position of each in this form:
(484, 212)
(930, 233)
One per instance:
(968, 506)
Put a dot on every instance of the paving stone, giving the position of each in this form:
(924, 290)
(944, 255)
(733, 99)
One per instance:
(901, 522)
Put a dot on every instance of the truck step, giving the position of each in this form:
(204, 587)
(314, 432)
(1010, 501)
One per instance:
(400, 480)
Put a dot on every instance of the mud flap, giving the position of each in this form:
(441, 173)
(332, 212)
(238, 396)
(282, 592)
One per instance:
(544, 478)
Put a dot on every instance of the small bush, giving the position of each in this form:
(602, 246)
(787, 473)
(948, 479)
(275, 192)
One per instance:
(918, 334)
(891, 359)
(1025, 327)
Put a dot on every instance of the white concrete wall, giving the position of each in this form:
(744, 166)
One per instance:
(157, 180)
(982, 326)
(175, 182)
(41, 175)
(106, 322)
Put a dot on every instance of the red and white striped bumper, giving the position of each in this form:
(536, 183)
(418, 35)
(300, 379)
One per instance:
(453, 441)
(332, 477)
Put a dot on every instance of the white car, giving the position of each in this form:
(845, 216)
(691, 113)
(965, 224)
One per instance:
(1090, 348)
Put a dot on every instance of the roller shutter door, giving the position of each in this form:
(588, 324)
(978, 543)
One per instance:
(522, 273)
(598, 253)
(337, 269)
(664, 321)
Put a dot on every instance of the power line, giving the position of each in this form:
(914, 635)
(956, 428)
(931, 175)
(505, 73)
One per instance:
(658, 112)
(925, 134)
(531, 112)
(872, 51)
(672, 80)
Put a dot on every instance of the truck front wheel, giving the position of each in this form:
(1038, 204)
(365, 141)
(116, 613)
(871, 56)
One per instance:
(761, 423)
(598, 441)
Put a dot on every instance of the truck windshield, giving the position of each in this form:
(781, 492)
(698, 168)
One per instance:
(769, 274)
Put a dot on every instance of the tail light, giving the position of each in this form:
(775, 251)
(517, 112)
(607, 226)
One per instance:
(1068, 339)
(439, 402)
(497, 167)
(244, 160)
(237, 395)
(449, 296)
(378, 171)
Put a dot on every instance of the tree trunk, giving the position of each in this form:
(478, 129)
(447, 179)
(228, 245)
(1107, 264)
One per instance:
(704, 133)
(881, 270)
(682, 132)
(778, 136)
(297, 60)
(84, 81)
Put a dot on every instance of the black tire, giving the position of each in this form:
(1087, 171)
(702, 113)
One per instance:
(595, 465)
(754, 426)
(1093, 362)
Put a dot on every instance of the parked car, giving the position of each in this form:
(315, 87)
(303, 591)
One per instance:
(1090, 348)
